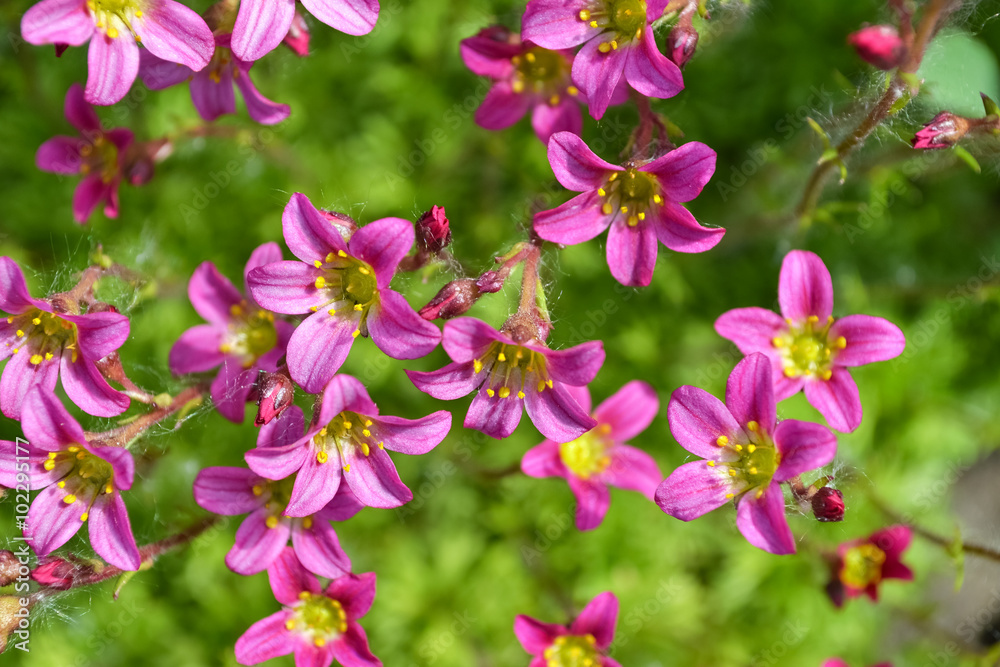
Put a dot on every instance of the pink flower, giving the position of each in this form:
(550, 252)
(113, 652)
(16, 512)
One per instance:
(618, 43)
(262, 24)
(212, 86)
(345, 284)
(509, 370)
(100, 156)
(747, 455)
(263, 535)
(599, 458)
(46, 337)
(240, 336)
(640, 203)
(879, 45)
(944, 130)
(317, 625)
(80, 482)
(168, 29)
(347, 439)
(527, 77)
(297, 38)
(807, 347)
(584, 642)
(863, 564)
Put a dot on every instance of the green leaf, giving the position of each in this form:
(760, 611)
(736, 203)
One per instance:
(956, 550)
(991, 107)
(966, 157)
(821, 132)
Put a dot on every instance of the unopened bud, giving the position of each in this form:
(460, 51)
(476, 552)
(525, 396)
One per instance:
(275, 392)
(141, 158)
(828, 504)
(879, 45)
(490, 282)
(433, 231)
(10, 567)
(297, 38)
(14, 617)
(944, 130)
(344, 223)
(454, 299)
(682, 42)
(56, 573)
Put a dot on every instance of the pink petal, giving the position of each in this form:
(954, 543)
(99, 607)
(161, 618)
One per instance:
(697, 419)
(869, 339)
(78, 112)
(46, 423)
(544, 461)
(14, 295)
(176, 33)
(88, 389)
(262, 255)
(536, 636)
(374, 479)
(279, 462)
(501, 107)
(319, 347)
(122, 463)
(283, 431)
(451, 382)
(488, 53)
(260, 27)
(650, 72)
(398, 330)
(343, 506)
(694, 489)
(412, 436)
(576, 365)
(257, 545)
(354, 17)
(197, 350)
(309, 235)
(597, 74)
(159, 74)
(319, 550)
(355, 592)
(383, 244)
(212, 294)
(575, 165)
(577, 221)
(677, 229)
(99, 334)
(837, 399)
(556, 24)
(90, 192)
(288, 578)
(261, 109)
(111, 533)
(496, 417)
(752, 329)
(51, 522)
(345, 394)
(468, 338)
(805, 287)
(803, 446)
(683, 172)
(750, 393)
(212, 98)
(555, 414)
(13, 455)
(629, 411)
(112, 67)
(226, 491)
(547, 120)
(267, 638)
(315, 486)
(893, 540)
(592, 501)
(57, 22)
(351, 648)
(598, 618)
(231, 388)
(19, 376)
(633, 469)
(287, 287)
(60, 155)
(762, 521)
(581, 395)
(631, 253)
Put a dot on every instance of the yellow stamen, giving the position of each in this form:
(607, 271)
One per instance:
(722, 441)
(272, 522)
(69, 499)
(322, 457)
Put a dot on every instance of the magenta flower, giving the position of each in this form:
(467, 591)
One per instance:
(618, 43)
(168, 29)
(599, 458)
(345, 284)
(80, 482)
(241, 337)
(527, 77)
(807, 347)
(347, 439)
(100, 156)
(262, 24)
(212, 86)
(263, 535)
(640, 203)
(297, 38)
(863, 564)
(584, 642)
(879, 45)
(510, 370)
(317, 625)
(747, 455)
(44, 337)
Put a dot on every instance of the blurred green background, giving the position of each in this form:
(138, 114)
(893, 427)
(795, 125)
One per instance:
(381, 126)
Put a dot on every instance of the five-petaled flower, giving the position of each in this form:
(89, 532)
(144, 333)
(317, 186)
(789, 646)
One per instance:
(317, 624)
(584, 642)
(79, 481)
(639, 201)
(263, 535)
(346, 442)
(746, 452)
(46, 338)
(345, 284)
(262, 24)
(861, 565)
(168, 29)
(527, 77)
(808, 348)
(241, 337)
(100, 156)
(599, 458)
(618, 43)
(212, 86)
(510, 368)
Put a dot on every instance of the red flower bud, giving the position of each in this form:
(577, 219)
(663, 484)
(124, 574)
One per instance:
(828, 504)
(275, 392)
(682, 42)
(297, 38)
(944, 130)
(490, 282)
(344, 223)
(56, 573)
(879, 45)
(433, 231)
(9, 567)
(454, 299)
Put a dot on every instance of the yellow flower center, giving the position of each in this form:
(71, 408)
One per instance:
(350, 284)
(510, 368)
(624, 20)
(86, 476)
(757, 459)
(587, 455)
(100, 155)
(221, 59)
(348, 429)
(806, 349)
(251, 334)
(319, 618)
(543, 72)
(630, 194)
(573, 651)
(43, 336)
(115, 17)
(862, 566)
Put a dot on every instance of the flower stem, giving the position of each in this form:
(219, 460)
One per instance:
(974, 549)
(125, 435)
